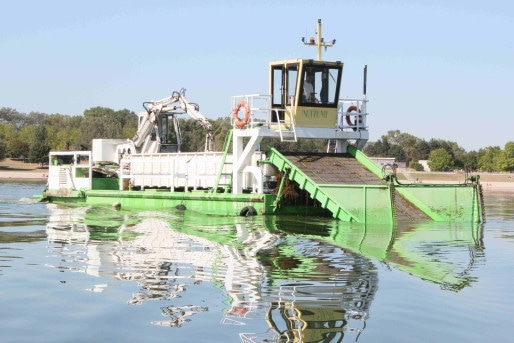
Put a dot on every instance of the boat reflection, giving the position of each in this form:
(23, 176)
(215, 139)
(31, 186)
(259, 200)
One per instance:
(303, 281)
(442, 253)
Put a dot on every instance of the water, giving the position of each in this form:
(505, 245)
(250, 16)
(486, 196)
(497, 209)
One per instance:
(100, 275)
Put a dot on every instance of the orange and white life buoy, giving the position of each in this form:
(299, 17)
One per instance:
(349, 120)
(241, 122)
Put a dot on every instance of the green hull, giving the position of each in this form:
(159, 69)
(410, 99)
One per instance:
(200, 201)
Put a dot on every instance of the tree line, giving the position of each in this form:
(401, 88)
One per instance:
(33, 135)
(442, 155)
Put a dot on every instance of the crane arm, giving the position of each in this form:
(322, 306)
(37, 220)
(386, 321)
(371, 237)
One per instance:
(155, 108)
(193, 111)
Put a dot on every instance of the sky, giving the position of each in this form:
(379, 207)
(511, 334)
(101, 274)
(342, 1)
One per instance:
(436, 69)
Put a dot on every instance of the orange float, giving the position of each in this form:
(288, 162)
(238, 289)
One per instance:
(241, 122)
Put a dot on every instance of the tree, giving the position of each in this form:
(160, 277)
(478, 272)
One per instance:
(39, 148)
(61, 129)
(2, 149)
(451, 148)
(506, 158)
(416, 166)
(470, 161)
(488, 158)
(19, 148)
(3, 146)
(16, 140)
(379, 148)
(102, 122)
(440, 160)
(12, 117)
(458, 154)
(407, 143)
(401, 146)
(421, 150)
(397, 152)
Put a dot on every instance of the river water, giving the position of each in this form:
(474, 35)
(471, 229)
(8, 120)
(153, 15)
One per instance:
(99, 275)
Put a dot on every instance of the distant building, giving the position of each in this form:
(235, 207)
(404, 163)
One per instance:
(424, 163)
(382, 161)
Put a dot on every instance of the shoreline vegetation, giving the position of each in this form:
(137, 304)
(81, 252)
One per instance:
(19, 171)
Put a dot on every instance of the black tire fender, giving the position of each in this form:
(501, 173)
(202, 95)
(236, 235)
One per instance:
(248, 211)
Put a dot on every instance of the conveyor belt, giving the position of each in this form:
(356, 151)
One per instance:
(327, 171)
(333, 168)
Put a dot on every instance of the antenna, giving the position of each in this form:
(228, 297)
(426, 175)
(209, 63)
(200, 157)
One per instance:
(319, 41)
(365, 80)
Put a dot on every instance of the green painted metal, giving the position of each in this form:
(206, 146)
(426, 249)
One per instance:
(441, 202)
(377, 204)
(226, 148)
(400, 245)
(105, 183)
(280, 190)
(365, 161)
(363, 203)
(358, 203)
(200, 201)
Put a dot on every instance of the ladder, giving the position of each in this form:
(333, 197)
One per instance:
(63, 178)
(286, 129)
(224, 167)
(331, 145)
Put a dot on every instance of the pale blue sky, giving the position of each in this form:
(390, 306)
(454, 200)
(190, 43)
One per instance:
(436, 69)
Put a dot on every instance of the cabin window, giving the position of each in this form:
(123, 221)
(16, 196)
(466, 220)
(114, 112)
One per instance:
(284, 84)
(277, 87)
(292, 75)
(82, 172)
(320, 86)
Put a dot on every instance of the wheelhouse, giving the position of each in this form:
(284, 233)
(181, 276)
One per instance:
(306, 88)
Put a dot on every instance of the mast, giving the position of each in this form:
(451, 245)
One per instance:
(319, 41)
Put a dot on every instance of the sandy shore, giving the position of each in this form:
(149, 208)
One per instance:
(23, 176)
(498, 186)
(16, 171)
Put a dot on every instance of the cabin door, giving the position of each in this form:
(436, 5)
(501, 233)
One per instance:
(284, 78)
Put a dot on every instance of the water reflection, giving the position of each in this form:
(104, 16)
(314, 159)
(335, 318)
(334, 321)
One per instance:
(442, 253)
(305, 281)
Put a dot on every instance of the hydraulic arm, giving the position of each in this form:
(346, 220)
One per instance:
(170, 105)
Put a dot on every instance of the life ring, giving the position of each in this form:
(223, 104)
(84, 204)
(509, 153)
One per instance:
(349, 120)
(238, 122)
(248, 211)
(238, 311)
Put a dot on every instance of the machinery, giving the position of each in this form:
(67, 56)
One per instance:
(303, 103)
(159, 129)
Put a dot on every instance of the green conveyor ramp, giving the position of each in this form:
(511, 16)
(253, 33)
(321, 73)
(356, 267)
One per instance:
(346, 187)
(350, 185)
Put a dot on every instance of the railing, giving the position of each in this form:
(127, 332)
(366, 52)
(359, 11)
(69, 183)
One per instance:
(260, 108)
(70, 170)
(351, 116)
(261, 114)
(173, 171)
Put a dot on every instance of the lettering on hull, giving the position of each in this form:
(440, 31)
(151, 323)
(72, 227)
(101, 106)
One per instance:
(315, 114)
